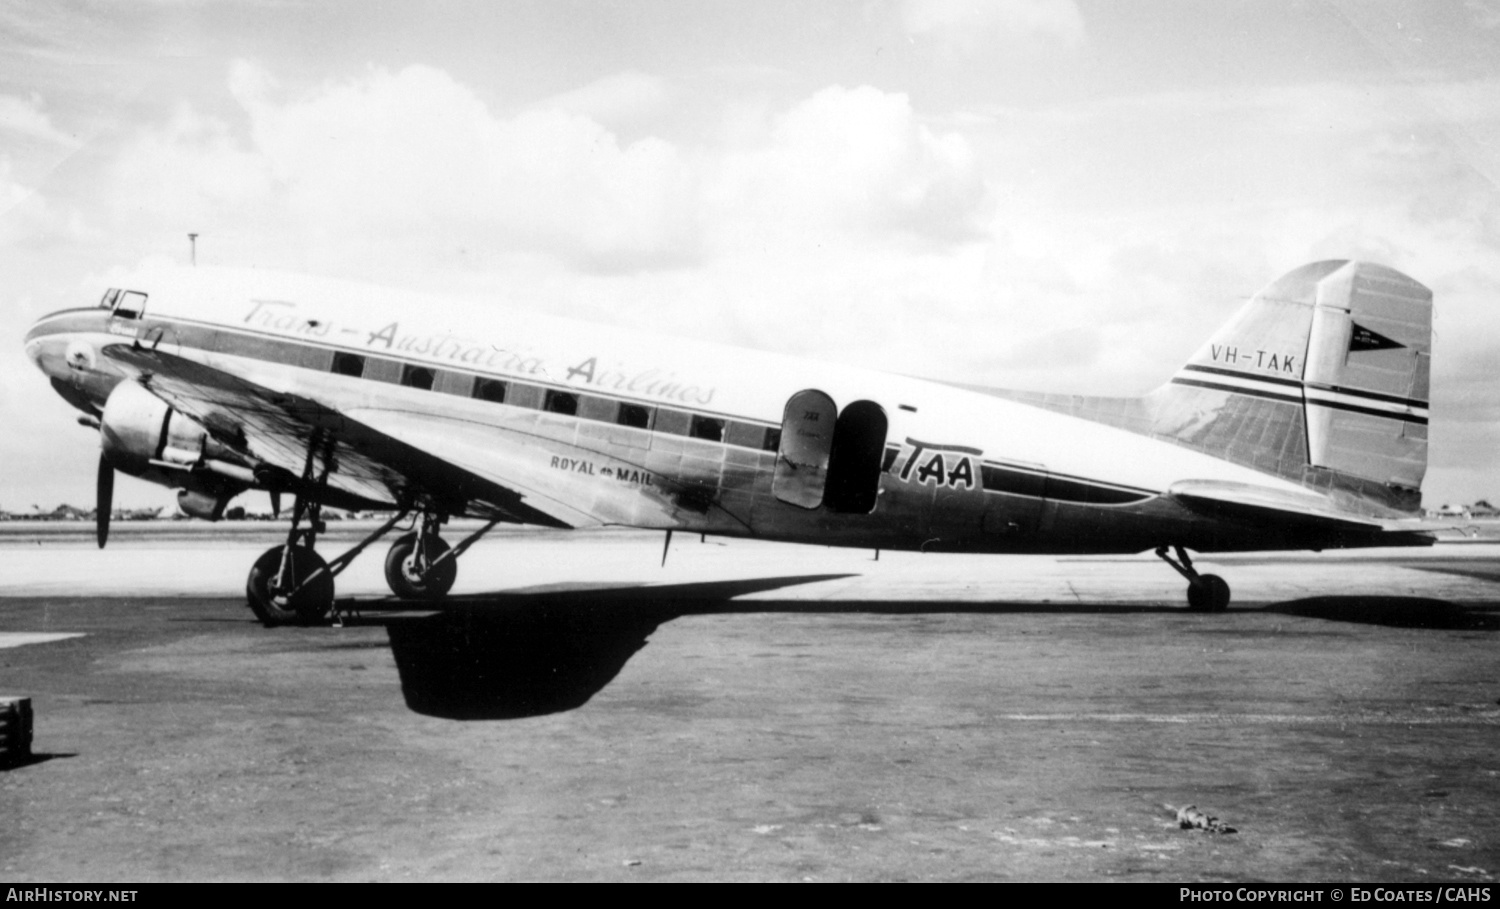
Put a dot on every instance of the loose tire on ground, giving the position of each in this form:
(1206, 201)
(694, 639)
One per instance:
(310, 605)
(401, 575)
(1210, 593)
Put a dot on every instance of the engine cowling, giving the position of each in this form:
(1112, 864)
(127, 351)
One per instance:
(138, 428)
(145, 437)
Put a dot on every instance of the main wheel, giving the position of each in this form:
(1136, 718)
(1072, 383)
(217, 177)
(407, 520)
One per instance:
(309, 605)
(411, 583)
(1210, 593)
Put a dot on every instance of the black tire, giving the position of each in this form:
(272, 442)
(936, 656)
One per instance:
(311, 605)
(1210, 593)
(403, 579)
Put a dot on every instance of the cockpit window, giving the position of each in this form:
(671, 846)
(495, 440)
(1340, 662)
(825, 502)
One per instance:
(109, 298)
(130, 304)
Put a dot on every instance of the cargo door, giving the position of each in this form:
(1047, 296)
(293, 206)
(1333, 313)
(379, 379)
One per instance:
(807, 427)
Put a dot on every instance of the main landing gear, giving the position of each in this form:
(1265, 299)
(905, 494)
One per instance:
(292, 584)
(1206, 592)
(420, 566)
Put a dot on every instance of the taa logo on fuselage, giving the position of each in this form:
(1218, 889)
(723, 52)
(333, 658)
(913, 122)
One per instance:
(950, 466)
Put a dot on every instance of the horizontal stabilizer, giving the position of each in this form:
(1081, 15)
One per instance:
(1295, 510)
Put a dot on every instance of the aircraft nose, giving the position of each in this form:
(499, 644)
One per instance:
(62, 341)
(36, 342)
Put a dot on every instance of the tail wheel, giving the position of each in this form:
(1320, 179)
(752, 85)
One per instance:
(1209, 593)
(425, 581)
(308, 605)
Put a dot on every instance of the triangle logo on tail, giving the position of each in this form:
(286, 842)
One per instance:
(1364, 339)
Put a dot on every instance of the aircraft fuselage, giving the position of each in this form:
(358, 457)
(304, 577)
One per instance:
(611, 427)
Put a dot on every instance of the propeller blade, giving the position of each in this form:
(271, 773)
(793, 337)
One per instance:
(104, 501)
(275, 504)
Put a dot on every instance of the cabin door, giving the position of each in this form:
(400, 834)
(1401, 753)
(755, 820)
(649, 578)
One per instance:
(807, 428)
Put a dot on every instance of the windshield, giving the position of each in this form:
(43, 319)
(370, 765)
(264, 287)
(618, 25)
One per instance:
(127, 304)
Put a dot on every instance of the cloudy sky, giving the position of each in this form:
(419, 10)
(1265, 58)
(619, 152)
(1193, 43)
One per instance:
(1044, 194)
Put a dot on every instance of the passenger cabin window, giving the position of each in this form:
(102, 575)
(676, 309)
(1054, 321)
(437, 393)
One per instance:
(773, 440)
(530, 397)
(604, 410)
(492, 390)
(561, 402)
(348, 364)
(460, 384)
(707, 428)
(673, 422)
(744, 435)
(379, 369)
(417, 377)
(634, 415)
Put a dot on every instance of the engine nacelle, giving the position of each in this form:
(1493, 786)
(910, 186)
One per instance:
(139, 428)
(201, 504)
(144, 437)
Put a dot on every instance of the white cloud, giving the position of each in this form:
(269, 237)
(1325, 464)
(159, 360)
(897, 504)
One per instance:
(617, 100)
(27, 217)
(858, 160)
(968, 26)
(414, 151)
(189, 169)
(412, 163)
(25, 117)
(1486, 13)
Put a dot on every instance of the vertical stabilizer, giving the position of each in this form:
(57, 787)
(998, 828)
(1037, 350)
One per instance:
(1321, 378)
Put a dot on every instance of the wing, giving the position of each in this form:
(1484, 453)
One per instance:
(278, 428)
(536, 466)
(1295, 512)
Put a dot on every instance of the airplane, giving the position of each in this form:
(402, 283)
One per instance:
(1300, 425)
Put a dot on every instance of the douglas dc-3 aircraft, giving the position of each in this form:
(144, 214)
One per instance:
(1301, 424)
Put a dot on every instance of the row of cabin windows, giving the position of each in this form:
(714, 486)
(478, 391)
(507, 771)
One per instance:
(589, 407)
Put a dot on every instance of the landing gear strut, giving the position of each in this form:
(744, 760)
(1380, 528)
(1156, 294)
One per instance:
(291, 583)
(1206, 592)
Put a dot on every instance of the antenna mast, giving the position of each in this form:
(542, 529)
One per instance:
(193, 248)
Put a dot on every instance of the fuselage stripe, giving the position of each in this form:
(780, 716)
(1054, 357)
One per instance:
(1420, 420)
(1239, 374)
(1368, 396)
(1239, 389)
(1315, 397)
(1335, 393)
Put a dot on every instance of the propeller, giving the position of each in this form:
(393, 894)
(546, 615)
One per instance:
(104, 501)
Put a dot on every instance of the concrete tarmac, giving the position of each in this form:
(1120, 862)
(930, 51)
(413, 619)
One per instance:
(750, 711)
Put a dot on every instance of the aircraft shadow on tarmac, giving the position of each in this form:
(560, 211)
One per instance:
(1395, 612)
(512, 655)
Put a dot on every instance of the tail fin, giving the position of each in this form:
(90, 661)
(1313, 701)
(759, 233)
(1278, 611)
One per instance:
(1322, 378)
